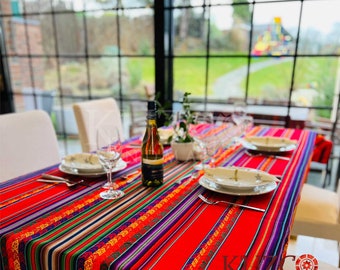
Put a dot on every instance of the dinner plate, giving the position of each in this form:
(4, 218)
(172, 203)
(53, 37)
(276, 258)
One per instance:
(121, 164)
(239, 178)
(268, 144)
(165, 134)
(82, 162)
(206, 183)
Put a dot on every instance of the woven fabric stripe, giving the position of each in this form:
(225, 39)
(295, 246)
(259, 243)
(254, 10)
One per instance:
(52, 226)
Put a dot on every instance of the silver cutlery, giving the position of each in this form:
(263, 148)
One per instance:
(68, 183)
(61, 179)
(236, 204)
(266, 155)
(189, 177)
(130, 177)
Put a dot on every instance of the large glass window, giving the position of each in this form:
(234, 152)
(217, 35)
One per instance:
(64, 51)
(281, 52)
(265, 52)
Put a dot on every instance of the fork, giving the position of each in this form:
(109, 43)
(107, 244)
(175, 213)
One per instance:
(65, 180)
(68, 183)
(236, 204)
(264, 155)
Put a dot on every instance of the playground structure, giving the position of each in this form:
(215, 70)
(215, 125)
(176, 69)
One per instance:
(274, 40)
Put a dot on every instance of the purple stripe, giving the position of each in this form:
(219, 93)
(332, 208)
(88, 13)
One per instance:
(277, 241)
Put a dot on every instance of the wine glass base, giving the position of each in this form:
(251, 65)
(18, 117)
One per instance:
(111, 194)
(107, 185)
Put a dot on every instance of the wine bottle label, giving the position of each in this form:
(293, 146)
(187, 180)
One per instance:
(152, 172)
(153, 161)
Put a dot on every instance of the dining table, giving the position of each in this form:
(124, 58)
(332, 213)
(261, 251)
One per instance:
(53, 226)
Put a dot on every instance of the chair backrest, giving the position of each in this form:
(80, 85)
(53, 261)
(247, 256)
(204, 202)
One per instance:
(92, 114)
(138, 111)
(28, 142)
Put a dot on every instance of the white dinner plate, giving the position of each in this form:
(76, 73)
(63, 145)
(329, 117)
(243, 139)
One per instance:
(82, 162)
(165, 134)
(205, 182)
(268, 144)
(238, 178)
(121, 164)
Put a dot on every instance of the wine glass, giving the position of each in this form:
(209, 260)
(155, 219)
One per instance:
(212, 145)
(109, 149)
(239, 112)
(205, 142)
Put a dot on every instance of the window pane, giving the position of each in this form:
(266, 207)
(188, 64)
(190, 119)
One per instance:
(26, 72)
(275, 28)
(69, 33)
(102, 33)
(104, 76)
(225, 78)
(190, 31)
(189, 76)
(73, 76)
(311, 85)
(139, 76)
(270, 79)
(229, 29)
(327, 29)
(136, 30)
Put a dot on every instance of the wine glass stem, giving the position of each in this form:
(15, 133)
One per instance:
(109, 174)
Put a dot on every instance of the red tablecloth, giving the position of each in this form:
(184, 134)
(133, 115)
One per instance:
(51, 226)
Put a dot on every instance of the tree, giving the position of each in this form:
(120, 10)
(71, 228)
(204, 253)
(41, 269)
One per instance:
(241, 10)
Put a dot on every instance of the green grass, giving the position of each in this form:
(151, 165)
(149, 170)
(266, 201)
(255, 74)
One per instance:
(190, 75)
(145, 66)
(270, 82)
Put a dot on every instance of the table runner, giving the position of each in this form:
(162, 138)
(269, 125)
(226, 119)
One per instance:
(47, 226)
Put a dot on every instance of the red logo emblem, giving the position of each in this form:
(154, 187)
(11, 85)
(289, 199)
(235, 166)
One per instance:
(306, 262)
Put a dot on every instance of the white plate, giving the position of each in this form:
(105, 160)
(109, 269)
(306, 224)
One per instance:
(121, 164)
(239, 178)
(82, 162)
(269, 144)
(205, 182)
(165, 134)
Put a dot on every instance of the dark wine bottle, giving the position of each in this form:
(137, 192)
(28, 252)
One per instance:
(152, 151)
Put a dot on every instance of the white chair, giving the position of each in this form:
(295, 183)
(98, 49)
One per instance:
(28, 142)
(92, 114)
(318, 213)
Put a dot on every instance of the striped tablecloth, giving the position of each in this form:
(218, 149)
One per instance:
(50, 226)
